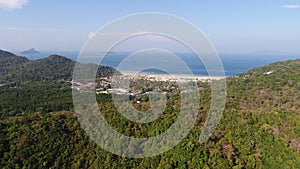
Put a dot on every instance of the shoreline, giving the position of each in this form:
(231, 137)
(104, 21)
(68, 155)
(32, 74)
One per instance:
(169, 77)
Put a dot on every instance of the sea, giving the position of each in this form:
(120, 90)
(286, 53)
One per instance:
(233, 64)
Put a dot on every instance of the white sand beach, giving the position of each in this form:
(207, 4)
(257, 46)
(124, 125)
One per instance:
(168, 77)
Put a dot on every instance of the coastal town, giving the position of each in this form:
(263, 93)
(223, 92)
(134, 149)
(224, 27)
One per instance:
(141, 84)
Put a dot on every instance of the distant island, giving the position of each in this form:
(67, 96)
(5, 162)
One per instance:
(30, 51)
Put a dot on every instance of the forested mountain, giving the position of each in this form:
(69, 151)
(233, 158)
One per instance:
(260, 127)
(20, 70)
(28, 86)
(8, 59)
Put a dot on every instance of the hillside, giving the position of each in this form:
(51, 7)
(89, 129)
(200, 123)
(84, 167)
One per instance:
(8, 59)
(272, 93)
(51, 68)
(20, 70)
(37, 85)
(272, 87)
(260, 128)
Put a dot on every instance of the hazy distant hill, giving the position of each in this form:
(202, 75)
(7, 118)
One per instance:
(30, 52)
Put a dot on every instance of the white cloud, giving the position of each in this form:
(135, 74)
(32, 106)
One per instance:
(291, 6)
(91, 34)
(12, 4)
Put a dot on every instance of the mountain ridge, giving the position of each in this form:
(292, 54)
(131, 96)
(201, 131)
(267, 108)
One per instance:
(53, 67)
(8, 59)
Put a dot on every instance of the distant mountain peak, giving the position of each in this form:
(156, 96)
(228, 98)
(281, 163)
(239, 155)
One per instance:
(30, 51)
(56, 57)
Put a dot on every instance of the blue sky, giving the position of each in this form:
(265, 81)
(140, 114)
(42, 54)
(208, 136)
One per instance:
(234, 26)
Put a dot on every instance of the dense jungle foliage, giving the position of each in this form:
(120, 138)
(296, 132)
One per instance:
(260, 127)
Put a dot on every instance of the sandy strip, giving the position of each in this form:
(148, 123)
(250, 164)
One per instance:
(167, 77)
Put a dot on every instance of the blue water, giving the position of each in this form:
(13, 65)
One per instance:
(233, 64)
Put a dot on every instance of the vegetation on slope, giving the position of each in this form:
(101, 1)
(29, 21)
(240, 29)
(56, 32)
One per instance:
(260, 127)
(20, 70)
(37, 86)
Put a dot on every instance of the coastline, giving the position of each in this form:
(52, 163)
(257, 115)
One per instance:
(169, 77)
